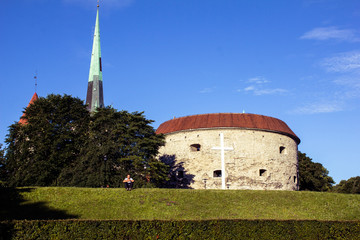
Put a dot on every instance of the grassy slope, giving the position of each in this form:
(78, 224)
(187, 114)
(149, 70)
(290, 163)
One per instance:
(91, 203)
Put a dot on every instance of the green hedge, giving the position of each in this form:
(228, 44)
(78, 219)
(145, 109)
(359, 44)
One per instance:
(208, 229)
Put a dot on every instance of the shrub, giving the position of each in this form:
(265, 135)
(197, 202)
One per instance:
(209, 229)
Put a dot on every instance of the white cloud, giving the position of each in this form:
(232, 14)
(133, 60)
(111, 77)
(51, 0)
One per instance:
(349, 81)
(258, 88)
(342, 85)
(249, 88)
(327, 33)
(343, 62)
(207, 90)
(319, 108)
(259, 92)
(263, 91)
(351, 86)
(258, 80)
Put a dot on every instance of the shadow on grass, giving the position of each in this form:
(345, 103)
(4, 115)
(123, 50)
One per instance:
(14, 207)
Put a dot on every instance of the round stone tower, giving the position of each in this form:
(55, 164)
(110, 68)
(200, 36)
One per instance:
(231, 151)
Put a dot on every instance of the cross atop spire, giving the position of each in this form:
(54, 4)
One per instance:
(95, 97)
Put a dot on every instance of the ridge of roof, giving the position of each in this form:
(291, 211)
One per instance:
(227, 120)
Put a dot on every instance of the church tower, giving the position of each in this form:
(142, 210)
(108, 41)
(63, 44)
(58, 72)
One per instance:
(95, 96)
(33, 99)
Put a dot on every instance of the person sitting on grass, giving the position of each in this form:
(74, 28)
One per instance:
(128, 183)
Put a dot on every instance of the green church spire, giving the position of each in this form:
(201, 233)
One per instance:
(95, 96)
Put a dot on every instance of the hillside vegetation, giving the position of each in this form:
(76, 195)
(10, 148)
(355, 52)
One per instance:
(174, 204)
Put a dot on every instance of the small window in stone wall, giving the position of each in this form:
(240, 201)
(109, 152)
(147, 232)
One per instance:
(195, 147)
(282, 150)
(262, 172)
(294, 179)
(180, 174)
(217, 173)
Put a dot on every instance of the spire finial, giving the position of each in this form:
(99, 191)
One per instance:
(97, 3)
(35, 78)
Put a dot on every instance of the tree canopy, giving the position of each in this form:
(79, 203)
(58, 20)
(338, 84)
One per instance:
(352, 185)
(313, 176)
(118, 143)
(50, 140)
(2, 166)
(62, 144)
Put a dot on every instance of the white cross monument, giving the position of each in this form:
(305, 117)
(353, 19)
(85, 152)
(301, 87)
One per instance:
(223, 149)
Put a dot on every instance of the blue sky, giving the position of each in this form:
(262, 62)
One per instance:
(298, 61)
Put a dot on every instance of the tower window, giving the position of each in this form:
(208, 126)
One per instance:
(217, 173)
(195, 147)
(262, 172)
(294, 179)
(282, 149)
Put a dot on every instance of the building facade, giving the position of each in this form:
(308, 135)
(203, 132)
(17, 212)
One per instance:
(232, 151)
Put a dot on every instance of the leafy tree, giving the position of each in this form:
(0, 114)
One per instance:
(352, 185)
(313, 176)
(51, 140)
(62, 144)
(118, 143)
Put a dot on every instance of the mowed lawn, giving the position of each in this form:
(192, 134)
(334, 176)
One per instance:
(175, 204)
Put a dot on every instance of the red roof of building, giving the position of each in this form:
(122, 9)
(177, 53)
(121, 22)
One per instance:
(227, 120)
(33, 99)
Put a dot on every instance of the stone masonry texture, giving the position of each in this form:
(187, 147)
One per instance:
(260, 160)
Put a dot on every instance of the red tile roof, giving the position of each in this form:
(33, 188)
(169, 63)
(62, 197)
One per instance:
(227, 120)
(33, 99)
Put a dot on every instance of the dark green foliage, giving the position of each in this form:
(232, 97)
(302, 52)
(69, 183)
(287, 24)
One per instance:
(63, 145)
(51, 140)
(313, 176)
(118, 143)
(352, 185)
(2, 167)
(209, 229)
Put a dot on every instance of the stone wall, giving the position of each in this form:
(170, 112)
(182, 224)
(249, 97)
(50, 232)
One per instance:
(259, 159)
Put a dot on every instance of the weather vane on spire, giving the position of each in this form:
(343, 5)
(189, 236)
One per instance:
(35, 78)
